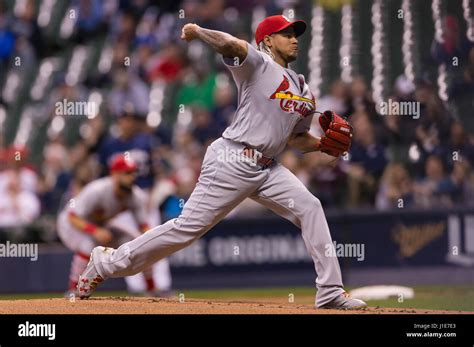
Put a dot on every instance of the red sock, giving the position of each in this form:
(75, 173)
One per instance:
(150, 284)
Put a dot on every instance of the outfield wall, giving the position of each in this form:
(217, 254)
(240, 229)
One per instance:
(425, 247)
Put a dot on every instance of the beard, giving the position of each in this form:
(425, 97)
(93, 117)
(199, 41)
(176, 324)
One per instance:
(292, 57)
(127, 188)
(288, 56)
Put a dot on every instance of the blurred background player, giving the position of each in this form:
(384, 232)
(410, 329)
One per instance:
(88, 219)
(131, 138)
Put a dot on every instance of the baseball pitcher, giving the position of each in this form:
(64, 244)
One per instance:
(275, 110)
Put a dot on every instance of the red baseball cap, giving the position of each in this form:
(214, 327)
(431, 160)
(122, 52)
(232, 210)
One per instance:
(121, 164)
(274, 24)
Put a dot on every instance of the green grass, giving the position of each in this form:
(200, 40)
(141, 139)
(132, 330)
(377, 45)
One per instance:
(435, 298)
(426, 297)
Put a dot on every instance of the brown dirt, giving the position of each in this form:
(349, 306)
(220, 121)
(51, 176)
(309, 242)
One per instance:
(137, 305)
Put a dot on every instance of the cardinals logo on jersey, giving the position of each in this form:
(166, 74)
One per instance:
(292, 103)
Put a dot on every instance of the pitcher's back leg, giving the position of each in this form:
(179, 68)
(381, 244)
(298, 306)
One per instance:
(218, 191)
(287, 196)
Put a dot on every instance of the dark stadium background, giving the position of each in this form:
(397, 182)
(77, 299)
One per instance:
(406, 190)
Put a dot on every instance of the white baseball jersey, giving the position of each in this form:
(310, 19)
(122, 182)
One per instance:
(98, 203)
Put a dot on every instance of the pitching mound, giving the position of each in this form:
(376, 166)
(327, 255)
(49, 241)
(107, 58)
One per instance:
(136, 305)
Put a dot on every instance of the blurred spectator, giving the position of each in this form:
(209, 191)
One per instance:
(458, 147)
(204, 130)
(399, 135)
(225, 105)
(198, 87)
(129, 91)
(468, 186)
(395, 184)
(359, 100)
(90, 14)
(93, 131)
(207, 13)
(144, 32)
(26, 27)
(123, 29)
(464, 86)
(141, 60)
(130, 137)
(336, 100)
(54, 178)
(56, 160)
(398, 132)
(185, 147)
(210, 14)
(18, 206)
(167, 29)
(359, 96)
(469, 70)
(170, 194)
(327, 178)
(454, 44)
(167, 65)
(164, 197)
(135, 7)
(121, 51)
(367, 162)
(434, 119)
(435, 188)
(7, 40)
(456, 186)
(16, 160)
(25, 51)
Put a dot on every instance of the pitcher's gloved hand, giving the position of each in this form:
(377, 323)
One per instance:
(337, 134)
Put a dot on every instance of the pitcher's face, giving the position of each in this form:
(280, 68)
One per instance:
(285, 44)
